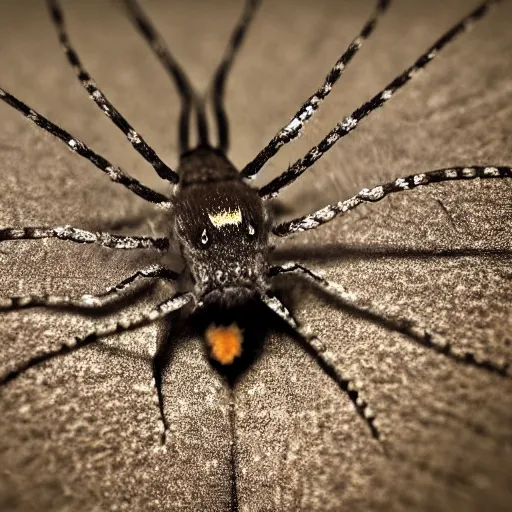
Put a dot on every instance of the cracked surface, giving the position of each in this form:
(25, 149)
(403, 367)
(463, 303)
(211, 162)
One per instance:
(81, 432)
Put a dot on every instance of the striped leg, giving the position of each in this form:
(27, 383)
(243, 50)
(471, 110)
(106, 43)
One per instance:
(394, 320)
(85, 237)
(375, 194)
(327, 361)
(294, 128)
(219, 80)
(187, 94)
(77, 146)
(101, 100)
(121, 325)
(87, 301)
(343, 128)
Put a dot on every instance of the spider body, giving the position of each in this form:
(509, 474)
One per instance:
(223, 225)
(223, 229)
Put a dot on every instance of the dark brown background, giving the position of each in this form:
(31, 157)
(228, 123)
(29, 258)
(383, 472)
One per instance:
(80, 433)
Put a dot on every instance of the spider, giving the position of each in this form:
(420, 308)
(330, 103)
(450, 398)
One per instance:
(223, 224)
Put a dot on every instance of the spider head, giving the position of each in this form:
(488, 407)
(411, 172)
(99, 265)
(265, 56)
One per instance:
(223, 231)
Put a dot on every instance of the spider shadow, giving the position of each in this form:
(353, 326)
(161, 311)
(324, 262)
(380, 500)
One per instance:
(336, 251)
(400, 325)
(254, 319)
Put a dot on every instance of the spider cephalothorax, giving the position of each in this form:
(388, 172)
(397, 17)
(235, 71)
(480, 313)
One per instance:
(221, 223)
(223, 228)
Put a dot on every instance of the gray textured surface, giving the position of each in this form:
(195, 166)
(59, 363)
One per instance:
(80, 433)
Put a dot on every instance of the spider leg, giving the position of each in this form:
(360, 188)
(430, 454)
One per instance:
(102, 101)
(117, 326)
(87, 301)
(77, 146)
(222, 72)
(84, 237)
(187, 94)
(294, 128)
(393, 320)
(375, 194)
(343, 128)
(327, 361)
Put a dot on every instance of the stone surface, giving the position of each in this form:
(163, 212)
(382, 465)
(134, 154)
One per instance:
(81, 432)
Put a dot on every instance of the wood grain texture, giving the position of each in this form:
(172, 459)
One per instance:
(81, 432)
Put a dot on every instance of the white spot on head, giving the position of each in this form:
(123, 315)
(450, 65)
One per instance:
(226, 218)
(204, 237)
(72, 143)
(252, 231)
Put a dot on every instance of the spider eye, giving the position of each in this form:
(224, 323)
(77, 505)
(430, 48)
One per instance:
(252, 231)
(204, 237)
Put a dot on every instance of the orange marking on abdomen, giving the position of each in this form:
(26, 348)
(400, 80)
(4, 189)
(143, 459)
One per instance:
(225, 342)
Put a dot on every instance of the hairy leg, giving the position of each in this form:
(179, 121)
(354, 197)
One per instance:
(136, 140)
(87, 301)
(120, 325)
(394, 320)
(366, 195)
(327, 361)
(82, 236)
(296, 124)
(219, 80)
(348, 124)
(77, 146)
